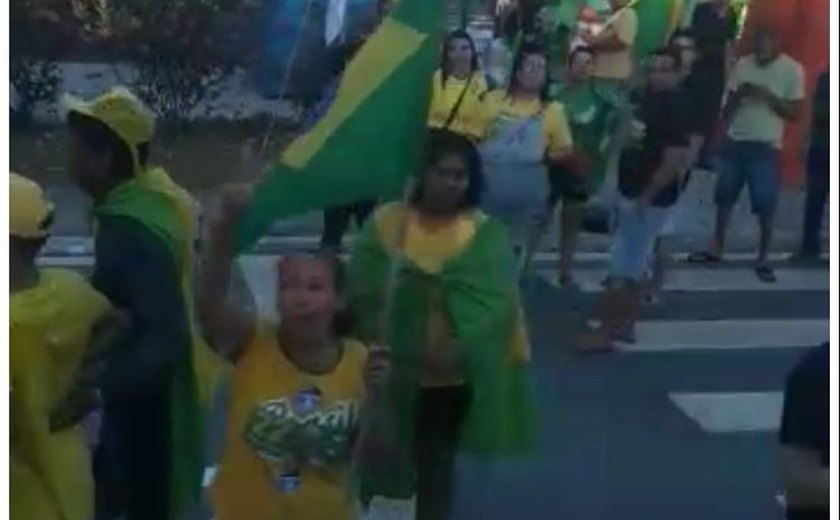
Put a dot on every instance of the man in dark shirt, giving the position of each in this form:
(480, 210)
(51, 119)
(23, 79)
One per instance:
(817, 166)
(715, 27)
(149, 463)
(649, 185)
(804, 436)
(683, 42)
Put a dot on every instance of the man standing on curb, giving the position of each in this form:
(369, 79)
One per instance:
(766, 89)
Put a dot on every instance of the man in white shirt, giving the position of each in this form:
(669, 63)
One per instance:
(766, 89)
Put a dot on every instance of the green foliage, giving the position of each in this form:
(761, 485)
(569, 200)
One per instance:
(37, 37)
(176, 48)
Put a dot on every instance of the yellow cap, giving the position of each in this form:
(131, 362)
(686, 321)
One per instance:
(29, 209)
(121, 111)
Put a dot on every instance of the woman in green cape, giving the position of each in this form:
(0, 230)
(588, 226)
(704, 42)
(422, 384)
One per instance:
(435, 278)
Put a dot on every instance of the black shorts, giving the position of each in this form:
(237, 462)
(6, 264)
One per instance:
(565, 184)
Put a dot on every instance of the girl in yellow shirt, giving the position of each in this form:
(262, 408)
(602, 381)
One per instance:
(525, 134)
(458, 88)
(298, 388)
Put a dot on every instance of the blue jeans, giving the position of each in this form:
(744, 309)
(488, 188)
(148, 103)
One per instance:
(755, 164)
(634, 239)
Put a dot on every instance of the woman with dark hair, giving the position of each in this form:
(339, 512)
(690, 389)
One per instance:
(458, 88)
(435, 278)
(574, 182)
(526, 134)
(298, 386)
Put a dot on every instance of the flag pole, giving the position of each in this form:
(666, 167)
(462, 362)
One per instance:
(367, 413)
(287, 74)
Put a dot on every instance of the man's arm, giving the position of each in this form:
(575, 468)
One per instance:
(789, 109)
(227, 327)
(673, 162)
(618, 36)
(606, 40)
(137, 272)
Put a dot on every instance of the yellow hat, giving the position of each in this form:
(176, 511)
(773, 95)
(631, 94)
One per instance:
(29, 209)
(121, 111)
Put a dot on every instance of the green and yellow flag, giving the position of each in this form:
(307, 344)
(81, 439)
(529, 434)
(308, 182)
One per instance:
(369, 141)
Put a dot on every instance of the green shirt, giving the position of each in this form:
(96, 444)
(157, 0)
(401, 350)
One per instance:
(588, 115)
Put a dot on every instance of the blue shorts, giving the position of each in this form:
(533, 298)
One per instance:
(755, 164)
(634, 238)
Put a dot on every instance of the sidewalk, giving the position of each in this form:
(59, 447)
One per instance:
(694, 220)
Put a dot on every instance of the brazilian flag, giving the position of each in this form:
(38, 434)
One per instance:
(658, 19)
(369, 141)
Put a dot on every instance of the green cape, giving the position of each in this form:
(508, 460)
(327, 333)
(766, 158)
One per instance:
(158, 214)
(479, 292)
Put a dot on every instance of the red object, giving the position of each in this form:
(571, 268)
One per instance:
(803, 29)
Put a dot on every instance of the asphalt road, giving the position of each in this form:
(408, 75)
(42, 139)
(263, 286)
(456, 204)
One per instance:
(687, 430)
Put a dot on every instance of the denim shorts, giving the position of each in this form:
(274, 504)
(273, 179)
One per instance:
(755, 164)
(634, 238)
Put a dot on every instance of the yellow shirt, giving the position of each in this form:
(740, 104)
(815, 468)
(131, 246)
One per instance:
(618, 65)
(556, 134)
(49, 331)
(429, 246)
(283, 421)
(469, 119)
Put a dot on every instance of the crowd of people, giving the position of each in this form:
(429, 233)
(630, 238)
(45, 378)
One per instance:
(379, 372)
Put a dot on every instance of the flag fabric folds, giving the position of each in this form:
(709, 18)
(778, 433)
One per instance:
(369, 141)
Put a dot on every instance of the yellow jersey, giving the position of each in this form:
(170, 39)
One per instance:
(469, 119)
(556, 134)
(289, 437)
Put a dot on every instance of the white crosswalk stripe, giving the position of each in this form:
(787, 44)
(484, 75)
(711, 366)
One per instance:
(724, 411)
(713, 280)
(667, 336)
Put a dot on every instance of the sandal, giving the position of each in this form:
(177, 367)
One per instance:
(703, 257)
(765, 273)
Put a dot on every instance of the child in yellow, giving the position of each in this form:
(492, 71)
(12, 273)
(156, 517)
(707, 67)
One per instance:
(298, 388)
(458, 89)
(59, 327)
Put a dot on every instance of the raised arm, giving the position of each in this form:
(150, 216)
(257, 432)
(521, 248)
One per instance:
(228, 327)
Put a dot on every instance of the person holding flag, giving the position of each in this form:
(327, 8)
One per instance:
(435, 279)
(298, 388)
(150, 459)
